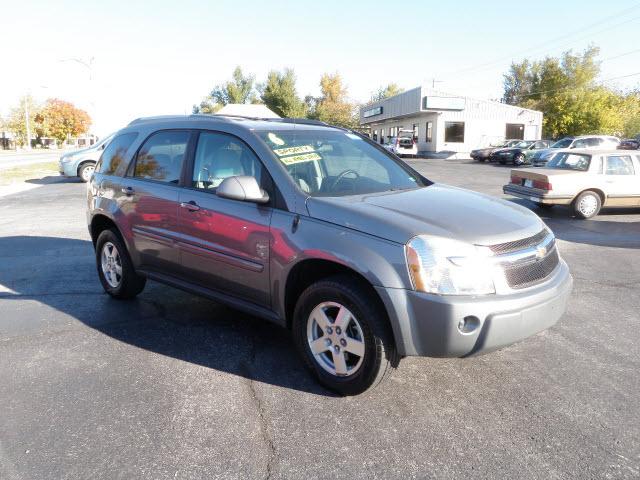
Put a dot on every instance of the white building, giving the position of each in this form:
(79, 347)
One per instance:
(256, 110)
(443, 122)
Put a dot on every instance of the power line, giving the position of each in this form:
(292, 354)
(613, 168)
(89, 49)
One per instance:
(562, 37)
(577, 88)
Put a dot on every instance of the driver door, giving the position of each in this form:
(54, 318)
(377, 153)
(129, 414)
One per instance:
(225, 244)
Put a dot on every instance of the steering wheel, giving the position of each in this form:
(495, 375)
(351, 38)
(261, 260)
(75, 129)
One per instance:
(341, 175)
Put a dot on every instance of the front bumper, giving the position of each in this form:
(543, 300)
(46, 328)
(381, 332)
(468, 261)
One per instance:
(67, 169)
(427, 325)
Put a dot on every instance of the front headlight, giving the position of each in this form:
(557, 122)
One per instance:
(65, 159)
(449, 267)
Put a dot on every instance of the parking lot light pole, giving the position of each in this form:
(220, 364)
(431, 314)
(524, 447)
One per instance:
(27, 123)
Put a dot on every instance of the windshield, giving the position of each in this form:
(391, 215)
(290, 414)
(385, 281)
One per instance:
(524, 144)
(335, 163)
(570, 161)
(564, 143)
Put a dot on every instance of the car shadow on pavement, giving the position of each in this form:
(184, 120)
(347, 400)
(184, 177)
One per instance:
(49, 179)
(60, 273)
(603, 230)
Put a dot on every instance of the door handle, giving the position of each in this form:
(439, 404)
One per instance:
(191, 206)
(128, 190)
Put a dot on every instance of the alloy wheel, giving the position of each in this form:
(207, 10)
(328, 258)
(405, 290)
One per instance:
(335, 338)
(111, 264)
(87, 172)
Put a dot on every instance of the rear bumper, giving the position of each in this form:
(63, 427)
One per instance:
(428, 325)
(536, 195)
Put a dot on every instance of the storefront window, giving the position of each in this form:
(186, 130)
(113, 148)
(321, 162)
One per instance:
(415, 132)
(429, 135)
(454, 132)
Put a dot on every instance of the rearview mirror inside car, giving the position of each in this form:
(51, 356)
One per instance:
(244, 188)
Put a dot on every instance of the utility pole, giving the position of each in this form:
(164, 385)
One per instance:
(26, 120)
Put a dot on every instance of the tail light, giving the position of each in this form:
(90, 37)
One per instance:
(516, 180)
(542, 185)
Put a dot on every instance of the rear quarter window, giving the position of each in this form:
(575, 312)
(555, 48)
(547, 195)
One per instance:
(115, 153)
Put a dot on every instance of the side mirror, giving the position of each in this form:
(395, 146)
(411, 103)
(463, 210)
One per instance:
(244, 188)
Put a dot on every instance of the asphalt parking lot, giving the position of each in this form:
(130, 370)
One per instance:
(175, 386)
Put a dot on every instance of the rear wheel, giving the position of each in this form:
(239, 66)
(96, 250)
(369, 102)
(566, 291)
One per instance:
(115, 269)
(343, 335)
(587, 205)
(86, 170)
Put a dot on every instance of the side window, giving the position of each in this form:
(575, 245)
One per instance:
(115, 153)
(539, 144)
(161, 157)
(580, 143)
(219, 156)
(594, 142)
(619, 165)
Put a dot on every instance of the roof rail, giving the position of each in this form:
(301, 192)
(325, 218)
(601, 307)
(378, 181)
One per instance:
(301, 121)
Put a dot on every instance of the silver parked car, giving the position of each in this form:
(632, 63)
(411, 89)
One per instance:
(589, 142)
(324, 232)
(81, 163)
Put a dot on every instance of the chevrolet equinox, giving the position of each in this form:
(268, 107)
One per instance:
(324, 232)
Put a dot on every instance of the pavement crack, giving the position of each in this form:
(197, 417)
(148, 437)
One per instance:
(262, 414)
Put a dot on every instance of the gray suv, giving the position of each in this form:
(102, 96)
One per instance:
(320, 230)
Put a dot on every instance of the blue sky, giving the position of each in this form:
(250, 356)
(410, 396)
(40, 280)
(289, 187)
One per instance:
(162, 57)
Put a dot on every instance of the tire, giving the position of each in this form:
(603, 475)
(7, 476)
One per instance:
(86, 170)
(519, 159)
(367, 331)
(587, 205)
(117, 276)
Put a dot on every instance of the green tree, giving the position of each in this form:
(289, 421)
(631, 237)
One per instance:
(240, 89)
(207, 105)
(565, 89)
(386, 92)
(16, 121)
(333, 106)
(280, 95)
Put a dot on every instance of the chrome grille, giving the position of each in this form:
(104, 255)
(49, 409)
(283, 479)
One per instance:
(521, 244)
(526, 274)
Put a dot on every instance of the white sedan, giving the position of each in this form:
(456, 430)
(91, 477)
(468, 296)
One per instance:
(583, 179)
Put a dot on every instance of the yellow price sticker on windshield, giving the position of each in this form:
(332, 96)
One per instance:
(281, 152)
(307, 157)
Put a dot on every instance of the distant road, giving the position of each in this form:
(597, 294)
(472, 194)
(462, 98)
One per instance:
(14, 159)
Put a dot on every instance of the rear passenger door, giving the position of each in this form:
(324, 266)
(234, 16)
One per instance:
(149, 199)
(622, 180)
(225, 244)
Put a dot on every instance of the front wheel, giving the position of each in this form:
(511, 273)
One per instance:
(587, 205)
(342, 333)
(86, 171)
(519, 159)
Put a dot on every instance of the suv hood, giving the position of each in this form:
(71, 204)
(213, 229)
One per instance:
(438, 209)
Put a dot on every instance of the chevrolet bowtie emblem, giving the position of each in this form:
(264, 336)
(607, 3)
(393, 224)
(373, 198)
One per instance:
(541, 251)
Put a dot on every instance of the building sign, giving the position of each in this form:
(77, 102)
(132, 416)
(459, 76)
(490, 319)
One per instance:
(372, 112)
(443, 103)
